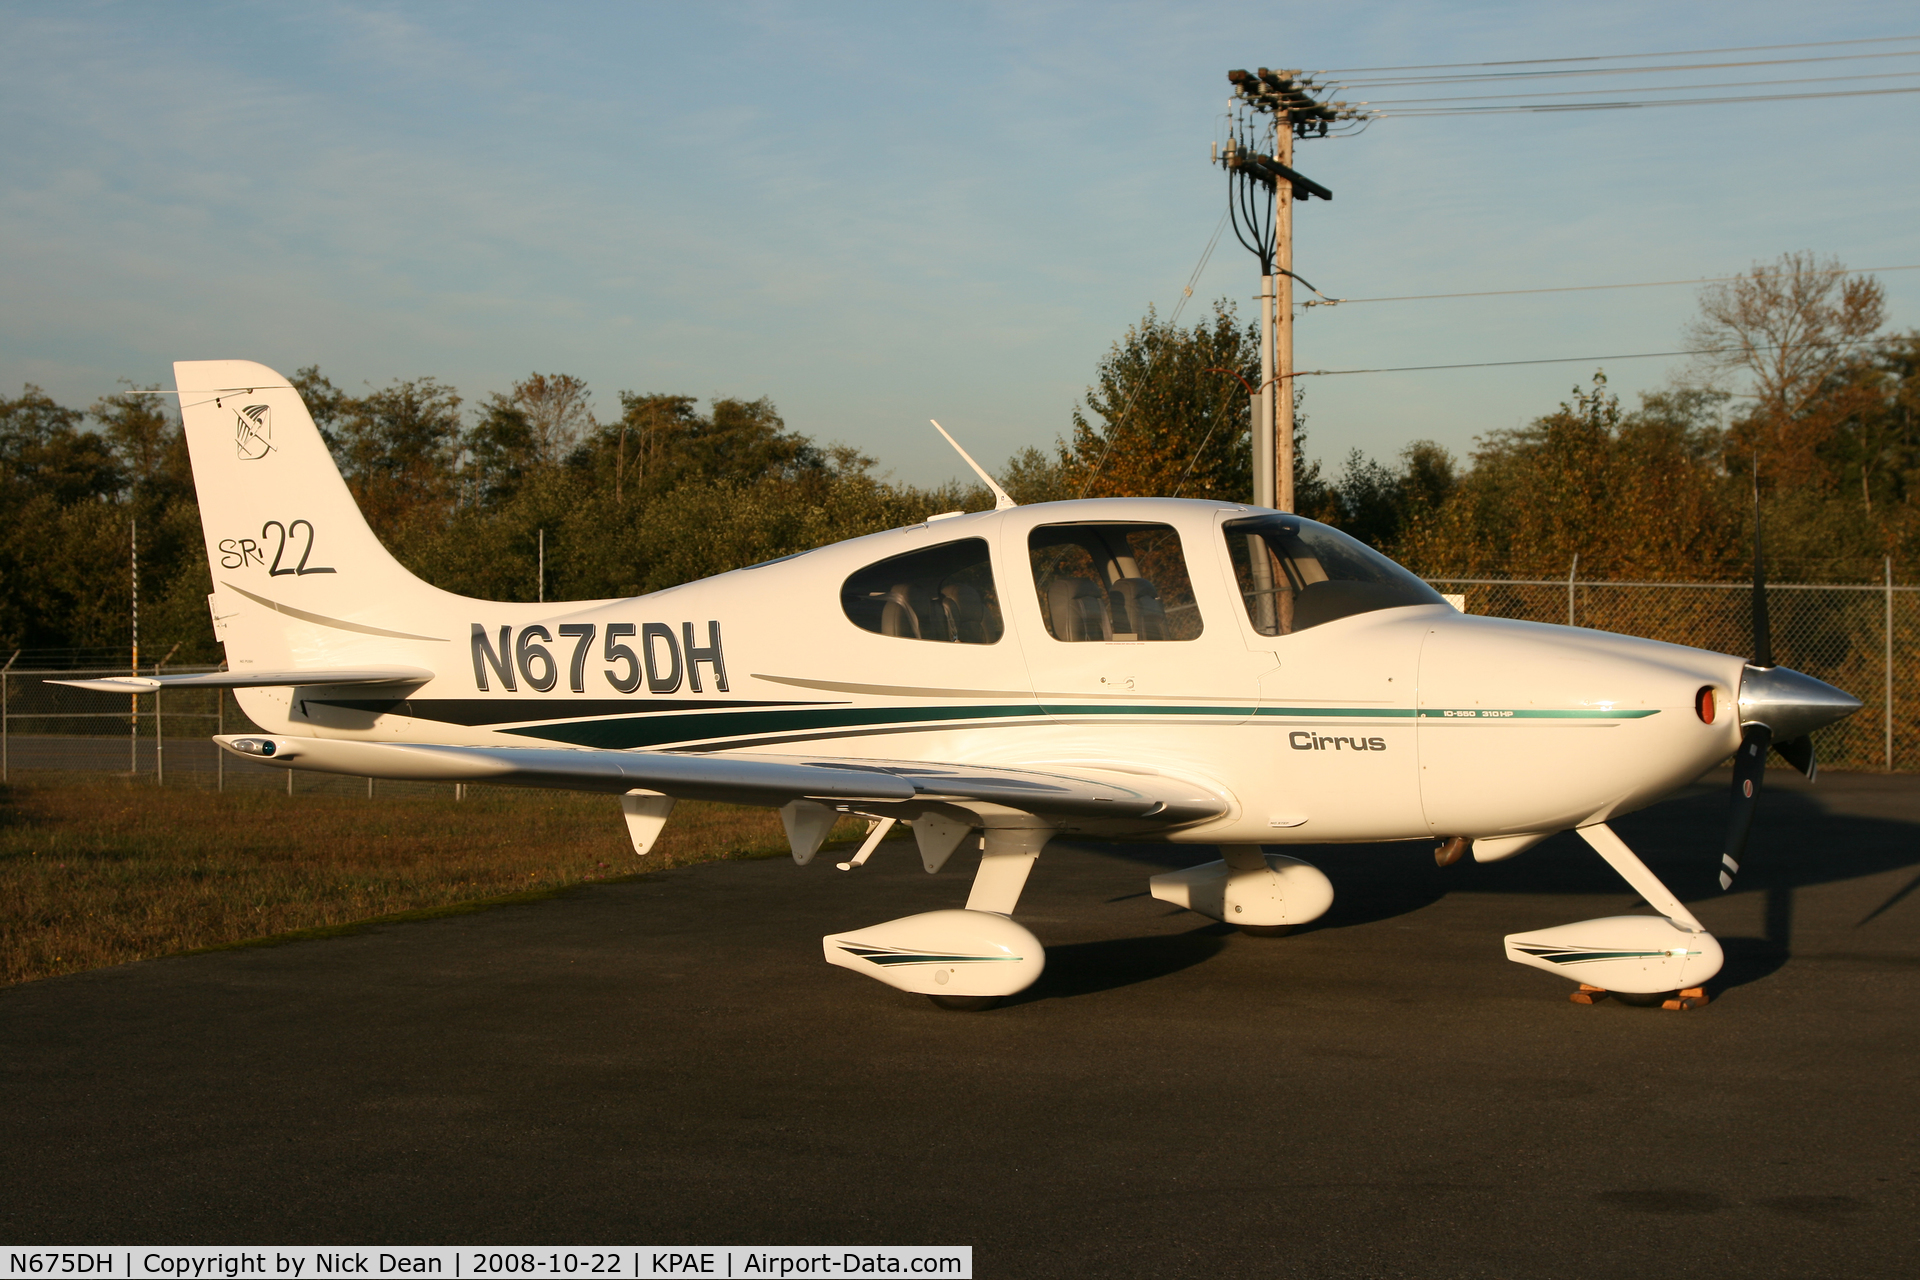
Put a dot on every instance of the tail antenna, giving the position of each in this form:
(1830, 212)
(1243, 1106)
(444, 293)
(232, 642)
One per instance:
(1001, 502)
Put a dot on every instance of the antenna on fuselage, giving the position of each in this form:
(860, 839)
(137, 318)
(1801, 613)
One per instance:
(1001, 502)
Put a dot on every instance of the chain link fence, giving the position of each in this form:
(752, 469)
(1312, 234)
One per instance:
(1861, 637)
(164, 737)
(1864, 638)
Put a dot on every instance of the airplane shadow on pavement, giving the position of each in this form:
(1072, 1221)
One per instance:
(1083, 968)
(1796, 842)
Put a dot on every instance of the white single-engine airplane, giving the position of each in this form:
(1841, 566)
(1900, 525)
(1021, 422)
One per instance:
(1123, 669)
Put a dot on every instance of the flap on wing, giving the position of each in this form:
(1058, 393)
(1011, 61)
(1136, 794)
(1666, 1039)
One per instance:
(254, 679)
(752, 779)
(1077, 790)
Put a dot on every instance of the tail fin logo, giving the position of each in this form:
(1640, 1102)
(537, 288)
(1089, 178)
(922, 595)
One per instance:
(253, 432)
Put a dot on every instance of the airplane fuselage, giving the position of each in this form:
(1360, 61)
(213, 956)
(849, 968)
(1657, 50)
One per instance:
(1389, 723)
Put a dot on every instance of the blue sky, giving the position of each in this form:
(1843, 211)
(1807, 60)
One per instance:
(878, 213)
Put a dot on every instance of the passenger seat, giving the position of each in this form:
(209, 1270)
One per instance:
(1136, 602)
(1077, 609)
(905, 604)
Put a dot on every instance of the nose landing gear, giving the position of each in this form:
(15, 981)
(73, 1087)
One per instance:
(1643, 960)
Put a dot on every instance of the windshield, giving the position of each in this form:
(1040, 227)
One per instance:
(1294, 574)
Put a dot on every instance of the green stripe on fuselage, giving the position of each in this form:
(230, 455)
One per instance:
(629, 732)
(1584, 713)
(652, 731)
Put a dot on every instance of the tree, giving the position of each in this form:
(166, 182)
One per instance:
(501, 452)
(1172, 410)
(149, 443)
(1031, 476)
(326, 403)
(662, 441)
(1632, 494)
(1366, 501)
(44, 452)
(648, 432)
(1793, 329)
(1872, 454)
(557, 414)
(397, 447)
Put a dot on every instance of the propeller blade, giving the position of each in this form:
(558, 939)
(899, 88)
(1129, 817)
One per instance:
(1762, 626)
(1749, 768)
(1799, 754)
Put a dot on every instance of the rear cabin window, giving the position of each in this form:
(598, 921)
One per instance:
(942, 593)
(1294, 574)
(1113, 582)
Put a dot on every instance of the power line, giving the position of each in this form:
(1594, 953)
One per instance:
(1669, 88)
(1507, 77)
(1173, 321)
(1625, 57)
(1428, 113)
(1585, 288)
(1502, 364)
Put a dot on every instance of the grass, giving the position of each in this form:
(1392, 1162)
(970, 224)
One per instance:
(113, 870)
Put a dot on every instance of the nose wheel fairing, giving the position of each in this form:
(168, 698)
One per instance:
(1639, 955)
(1635, 954)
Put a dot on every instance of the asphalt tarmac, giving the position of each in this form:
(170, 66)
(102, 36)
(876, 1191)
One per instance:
(1382, 1094)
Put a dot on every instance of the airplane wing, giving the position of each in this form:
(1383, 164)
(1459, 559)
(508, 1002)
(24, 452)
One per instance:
(253, 679)
(1073, 796)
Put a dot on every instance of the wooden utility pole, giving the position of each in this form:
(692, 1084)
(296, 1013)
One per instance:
(1264, 494)
(1293, 105)
(1282, 388)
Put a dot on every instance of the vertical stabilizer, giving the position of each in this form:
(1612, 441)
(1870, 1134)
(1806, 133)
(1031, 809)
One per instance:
(299, 579)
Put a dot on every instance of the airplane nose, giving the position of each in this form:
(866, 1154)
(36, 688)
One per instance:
(1791, 703)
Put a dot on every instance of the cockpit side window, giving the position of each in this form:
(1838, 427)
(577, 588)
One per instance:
(1116, 582)
(1294, 574)
(942, 593)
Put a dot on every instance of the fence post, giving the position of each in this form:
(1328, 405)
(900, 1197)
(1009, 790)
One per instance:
(1572, 569)
(159, 725)
(1888, 571)
(6, 680)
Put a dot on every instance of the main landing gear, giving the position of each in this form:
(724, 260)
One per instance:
(967, 960)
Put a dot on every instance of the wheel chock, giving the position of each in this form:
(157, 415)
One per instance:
(1686, 998)
(1588, 995)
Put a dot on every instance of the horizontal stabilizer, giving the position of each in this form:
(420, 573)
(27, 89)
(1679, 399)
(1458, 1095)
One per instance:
(254, 679)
